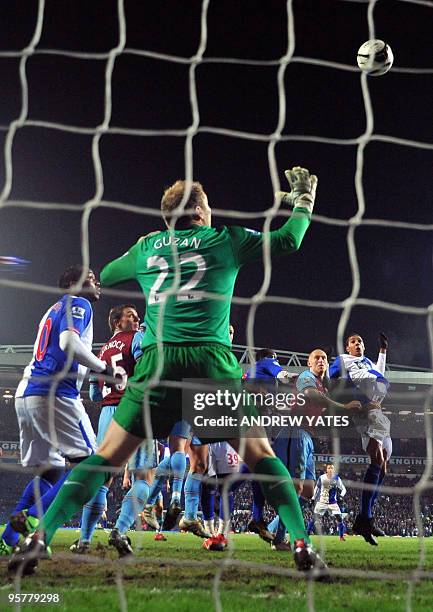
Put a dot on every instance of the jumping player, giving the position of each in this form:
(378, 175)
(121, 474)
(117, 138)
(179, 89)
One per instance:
(366, 382)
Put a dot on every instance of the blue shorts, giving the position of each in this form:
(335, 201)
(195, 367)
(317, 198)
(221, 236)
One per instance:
(295, 448)
(104, 422)
(183, 429)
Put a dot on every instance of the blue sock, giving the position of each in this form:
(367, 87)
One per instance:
(178, 467)
(92, 512)
(231, 501)
(341, 529)
(377, 489)
(208, 493)
(133, 503)
(280, 535)
(371, 477)
(310, 527)
(192, 495)
(161, 474)
(26, 500)
(273, 525)
(47, 497)
(258, 501)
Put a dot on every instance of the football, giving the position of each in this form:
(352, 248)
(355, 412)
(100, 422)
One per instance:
(375, 57)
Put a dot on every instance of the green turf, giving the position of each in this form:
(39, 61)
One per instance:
(178, 575)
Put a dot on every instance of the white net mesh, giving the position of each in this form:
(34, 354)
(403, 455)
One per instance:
(221, 117)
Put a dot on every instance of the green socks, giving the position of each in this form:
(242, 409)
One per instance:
(281, 495)
(80, 486)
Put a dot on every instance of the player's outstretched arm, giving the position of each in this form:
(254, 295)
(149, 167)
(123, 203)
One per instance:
(121, 269)
(248, 244)
(321, 399)
(381, 359)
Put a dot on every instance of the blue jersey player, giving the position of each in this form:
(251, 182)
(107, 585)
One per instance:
(364, 380)
(52, 420)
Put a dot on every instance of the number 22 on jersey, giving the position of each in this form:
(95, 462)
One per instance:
(185, 292)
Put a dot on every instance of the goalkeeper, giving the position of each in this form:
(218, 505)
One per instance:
(183, 312)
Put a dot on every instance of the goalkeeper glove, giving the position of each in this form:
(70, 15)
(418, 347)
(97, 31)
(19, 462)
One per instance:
(383, 341)
(303, 188)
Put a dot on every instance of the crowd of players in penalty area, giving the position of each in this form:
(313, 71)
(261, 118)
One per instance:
(75, 468)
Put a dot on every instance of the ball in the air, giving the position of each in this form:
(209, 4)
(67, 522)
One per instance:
(375, 57)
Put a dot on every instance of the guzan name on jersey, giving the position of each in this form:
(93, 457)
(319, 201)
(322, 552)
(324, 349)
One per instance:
(191, 243)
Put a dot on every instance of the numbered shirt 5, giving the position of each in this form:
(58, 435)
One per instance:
(120, 352)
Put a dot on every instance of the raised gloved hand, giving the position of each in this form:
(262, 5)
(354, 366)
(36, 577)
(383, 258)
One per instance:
(303, 187)
(383, 341)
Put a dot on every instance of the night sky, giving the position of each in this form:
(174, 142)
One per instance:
(54, 166)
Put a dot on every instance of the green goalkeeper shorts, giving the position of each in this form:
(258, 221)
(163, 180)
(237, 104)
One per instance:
(202, 361)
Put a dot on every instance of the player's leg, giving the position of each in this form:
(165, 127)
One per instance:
(341, 527)
(209, 490)
(179, 436)
(81, 484)
(317, 522)
(86, 478)
(198, 456)
(257, 523)
(162, 473)
(362, 523)
(280, 493)
(177, 443)
(74, 438)
(134, 500)
(299, 456)
(34, 490)
(281, 447)
(141, 466)
(219, 542)
(36, 451)
(159, 511)
(387, 452)
(175, 466)
(93, 510)
(124, 435)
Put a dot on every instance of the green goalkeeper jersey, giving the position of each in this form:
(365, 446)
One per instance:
(196, 308)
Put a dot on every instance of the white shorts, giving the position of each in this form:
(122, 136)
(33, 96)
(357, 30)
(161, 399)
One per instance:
(48, 434)
(378, 428)
(321, 508)
(223, 459)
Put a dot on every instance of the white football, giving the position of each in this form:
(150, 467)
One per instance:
(375, 57)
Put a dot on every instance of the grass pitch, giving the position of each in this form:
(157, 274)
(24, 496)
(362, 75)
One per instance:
(179, 575)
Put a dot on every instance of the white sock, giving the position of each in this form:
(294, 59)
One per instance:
(224, 527)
